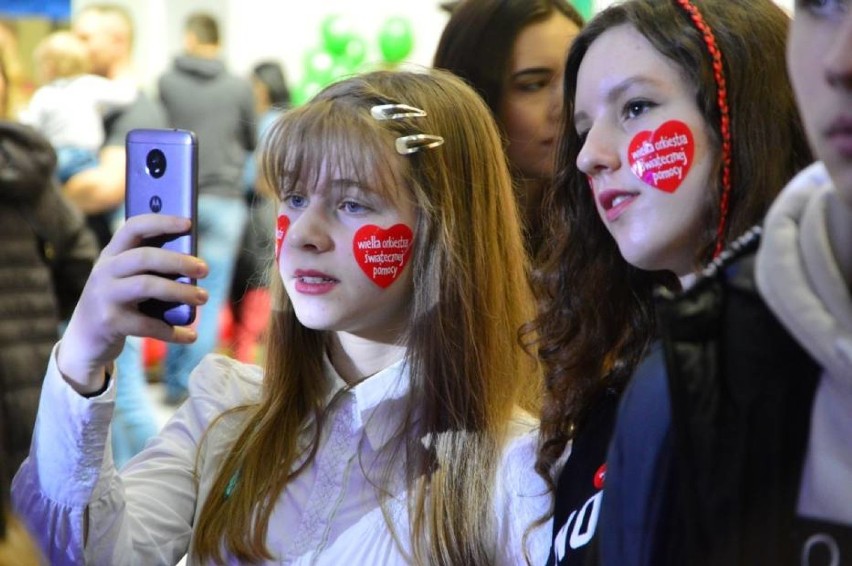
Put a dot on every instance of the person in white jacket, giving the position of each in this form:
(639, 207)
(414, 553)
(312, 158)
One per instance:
(804, 265)
(385, 427)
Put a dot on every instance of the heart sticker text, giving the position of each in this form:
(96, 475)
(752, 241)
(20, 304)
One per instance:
(662, 158)
(382, 253)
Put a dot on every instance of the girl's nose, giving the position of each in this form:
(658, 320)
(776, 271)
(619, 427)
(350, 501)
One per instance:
(309, 230)
(554, 110)
(838, 60)
(599, 152)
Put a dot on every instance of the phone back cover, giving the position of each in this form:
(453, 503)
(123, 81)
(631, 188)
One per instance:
(174, 193)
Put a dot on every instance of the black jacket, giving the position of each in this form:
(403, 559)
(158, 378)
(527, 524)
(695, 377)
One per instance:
(718, 482)
(46, 254)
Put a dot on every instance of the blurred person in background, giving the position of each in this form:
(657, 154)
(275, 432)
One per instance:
(513, 53)
(14, 93)
(201, 95)
(107, 31)
(70, 105)
(17, 547)
(250, 302)
(46, 254)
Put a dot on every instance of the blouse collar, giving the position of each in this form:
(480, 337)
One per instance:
(379, 400)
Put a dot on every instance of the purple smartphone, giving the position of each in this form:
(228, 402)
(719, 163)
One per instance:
(162, 177)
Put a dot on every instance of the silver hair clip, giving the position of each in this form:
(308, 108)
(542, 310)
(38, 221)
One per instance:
(395, 112)
(406, 145)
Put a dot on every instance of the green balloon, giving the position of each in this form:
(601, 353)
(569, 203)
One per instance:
(585, 7)
(354, 54)
(396, 39)
(319, 66)
(340, 71)
(304, 91)
(336, 33)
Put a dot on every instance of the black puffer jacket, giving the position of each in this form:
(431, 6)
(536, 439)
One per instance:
(705, 463)
(46, 254)
(741, 391)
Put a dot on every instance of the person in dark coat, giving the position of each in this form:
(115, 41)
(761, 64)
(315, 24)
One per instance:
(46, 254)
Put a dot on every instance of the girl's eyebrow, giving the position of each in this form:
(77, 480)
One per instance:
(531, 71)
(339, 184)
(346, 183)
(618, 89)
(342, 186)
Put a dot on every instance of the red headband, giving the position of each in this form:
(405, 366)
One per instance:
(725, 118)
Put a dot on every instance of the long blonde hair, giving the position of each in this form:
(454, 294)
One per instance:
(468, 368)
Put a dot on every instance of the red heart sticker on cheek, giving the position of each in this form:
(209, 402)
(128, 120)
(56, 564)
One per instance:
(382, 253)
(280, 232)
(662, 158)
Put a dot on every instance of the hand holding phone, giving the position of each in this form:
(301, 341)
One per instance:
(162, 178)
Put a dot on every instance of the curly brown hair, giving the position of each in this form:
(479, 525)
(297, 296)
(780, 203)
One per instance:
(597, 315)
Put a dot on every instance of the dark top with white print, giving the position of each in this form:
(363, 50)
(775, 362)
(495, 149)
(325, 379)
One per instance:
(579, 489)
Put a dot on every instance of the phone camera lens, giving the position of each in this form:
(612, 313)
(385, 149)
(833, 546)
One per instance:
(156, 162)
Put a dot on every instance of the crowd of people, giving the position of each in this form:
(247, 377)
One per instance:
(579, 294)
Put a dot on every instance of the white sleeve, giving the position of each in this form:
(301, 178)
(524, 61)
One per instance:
(68, 457)
(521, 500)
(33, 113)
(143, 515)
(109, 94)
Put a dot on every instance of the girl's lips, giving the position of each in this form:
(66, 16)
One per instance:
(615, 201)
(841, 124)
(310, 282)
(840, 136)
(311, 274)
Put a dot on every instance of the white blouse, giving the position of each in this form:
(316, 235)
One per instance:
(329, 514)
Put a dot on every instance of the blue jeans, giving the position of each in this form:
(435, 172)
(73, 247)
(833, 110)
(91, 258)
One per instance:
(219, 232)
(133, 421)
(72, 160)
